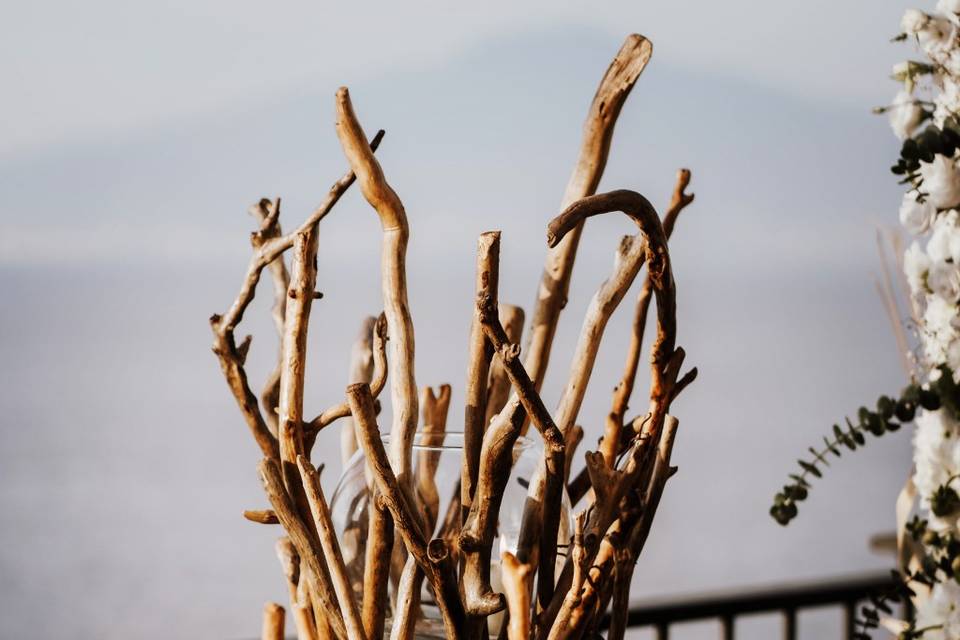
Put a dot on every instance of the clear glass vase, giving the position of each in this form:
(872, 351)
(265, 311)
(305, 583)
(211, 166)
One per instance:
(443, 452)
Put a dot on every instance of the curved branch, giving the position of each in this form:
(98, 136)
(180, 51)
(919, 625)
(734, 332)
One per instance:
(393, 219)
(612, 93)
(611, 441)
(645, 216)
(441, 575)
(224, 342)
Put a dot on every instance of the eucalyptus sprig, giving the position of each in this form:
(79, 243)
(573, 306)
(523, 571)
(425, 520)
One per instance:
(888, 417)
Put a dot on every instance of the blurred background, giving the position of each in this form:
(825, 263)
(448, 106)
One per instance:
(135, 136)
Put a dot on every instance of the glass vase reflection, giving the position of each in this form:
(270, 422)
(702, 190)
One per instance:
(437, 459)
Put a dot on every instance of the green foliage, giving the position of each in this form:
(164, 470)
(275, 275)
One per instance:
(888, 417)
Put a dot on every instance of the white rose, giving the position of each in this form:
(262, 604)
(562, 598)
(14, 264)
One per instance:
(916, 216)
(912, 21)
(941, 181)
(905, 114)
(944, 280)
(938, 247)
(916, 264)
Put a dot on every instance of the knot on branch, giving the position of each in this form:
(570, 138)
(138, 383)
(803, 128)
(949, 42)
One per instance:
(509, 352)
(437, 550)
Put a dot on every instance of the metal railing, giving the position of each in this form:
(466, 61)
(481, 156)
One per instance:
(786, 600)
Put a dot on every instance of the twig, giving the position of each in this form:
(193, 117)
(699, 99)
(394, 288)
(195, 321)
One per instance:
(515, 577)
(273, 619)
(361, 370)
(378, 381)
(435, 409)
(479, 529)
(440, 574)
(376, 568)
(628, 259)
(224, 343)
(548, 507)
(268, 213)
(658, 268)
(498, 386)
(308, 548)
(614, 88)
(263, 516)
(393, 219)
(610, 444)
(300, 296)
(478, 368)
(331, 549)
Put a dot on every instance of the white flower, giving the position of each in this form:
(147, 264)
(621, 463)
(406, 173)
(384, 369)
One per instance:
(948, 7)
(944, 280)
(941, 181)
(936, 36)
(916, 216)
(941, 612)
(905, 114)
(913, 21)
(916, 264)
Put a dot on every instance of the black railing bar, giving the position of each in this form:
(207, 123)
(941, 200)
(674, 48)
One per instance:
(837, 591)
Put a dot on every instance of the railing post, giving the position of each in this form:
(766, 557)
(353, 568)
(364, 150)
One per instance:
(662, 631)
(849, 618)
(726, 627)
(790, 624)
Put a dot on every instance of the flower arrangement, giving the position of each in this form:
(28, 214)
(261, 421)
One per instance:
(925, 115)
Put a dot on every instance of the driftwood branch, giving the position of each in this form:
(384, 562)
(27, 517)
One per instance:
(325, 607)
(498, 386)
(396, 232)
(268, 213)
(515, 577)
(223, 326)
(273, 619)
(331, 548)
(361, 370)
(612, 93)
(440, 574)
(611, 443)
(379, 379)
(478, 368)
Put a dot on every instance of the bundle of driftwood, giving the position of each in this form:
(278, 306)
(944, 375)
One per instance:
(622, 481)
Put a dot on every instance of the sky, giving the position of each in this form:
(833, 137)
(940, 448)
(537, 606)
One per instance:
(136, 135)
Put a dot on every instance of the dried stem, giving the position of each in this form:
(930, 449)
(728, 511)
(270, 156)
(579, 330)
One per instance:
(498, 386)
(376, 568)
(361, 370)
(224, 343)
(331, 549)
(308, 548)
(268, 213)
(628, 259)
(263, 516)
(435, 409)
(478, 368)
(273, 619)
(393, 219)
(379, 380)
(547, 510)
(439, 573)
(300, 297)
(614, 88)
(515, 577)
(611, 442)
(658, 265)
